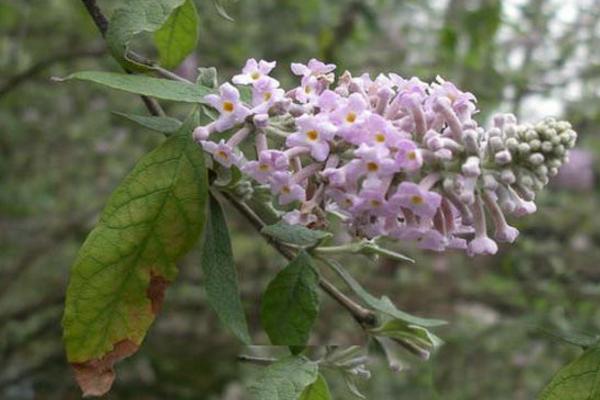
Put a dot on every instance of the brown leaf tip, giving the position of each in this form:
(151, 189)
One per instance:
(95, 377)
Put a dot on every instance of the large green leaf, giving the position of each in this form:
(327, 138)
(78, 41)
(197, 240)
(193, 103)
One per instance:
(166, 125)
(220, 277)
(178, 36)
(118, 280)
(132, 18)
(318, 390)
(579, 380)
(290, 304)
(383, 304)
(285, 379)
(139, 84)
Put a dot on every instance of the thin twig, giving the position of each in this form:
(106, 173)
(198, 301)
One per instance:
(362, 315)
(256, 360)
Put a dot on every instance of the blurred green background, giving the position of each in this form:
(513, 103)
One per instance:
(62, 151)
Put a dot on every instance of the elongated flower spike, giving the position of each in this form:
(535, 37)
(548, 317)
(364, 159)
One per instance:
(391, 156)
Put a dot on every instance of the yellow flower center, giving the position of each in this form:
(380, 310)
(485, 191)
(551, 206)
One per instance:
(255, 75)
(412, 155)
(375, 203)
(267, 96)
(380, 137)
(416, 200)
(286, 190)
(372, 167)
(351, 117)
(263, 167)
(222, 154)
(312, 134)
(348, 203)
(228, 106)
(307, 89)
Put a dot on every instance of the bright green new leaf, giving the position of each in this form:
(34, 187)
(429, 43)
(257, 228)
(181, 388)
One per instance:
(178, 36)
(118, 280)
(135, 17)
(383, 304)
(318, 390)
(290, 304)
(295, 234)
(166, 125)
(139, 84)
(285, 379)
(579, 380)
(220, 277)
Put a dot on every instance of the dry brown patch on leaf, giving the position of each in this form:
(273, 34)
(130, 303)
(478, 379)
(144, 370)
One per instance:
(95, 377)
(156, 291)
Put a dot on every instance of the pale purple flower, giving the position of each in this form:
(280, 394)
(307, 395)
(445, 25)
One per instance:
(350, 116)
(373, 201)
(309, 91)
(463, 103)
(377, 130)
(423, 203)
(375, 163)
(253, 71)
(314, 67)
(296, 217)
(482, 245)
(221, 153)
(344, 199)
(408, 156)
(231, 109)
(433, 240)
(269, 161)
(328, 101)
(283, 185)
(314, 132)
(265, 92)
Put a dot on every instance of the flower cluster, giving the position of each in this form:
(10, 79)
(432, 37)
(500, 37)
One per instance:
(391, 156)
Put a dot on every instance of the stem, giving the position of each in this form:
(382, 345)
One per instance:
(256, 360)
(362, 315)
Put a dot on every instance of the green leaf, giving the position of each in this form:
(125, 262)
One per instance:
(383, 304)
(118, 280)
(319, 390)
(285, 379)
(295, 234)
(415, 338)
(291, 303)
(220, 276)
(160, 124)
(139, 84)
(135, 17)
(579, 380)
(575, 338)
(178, 37)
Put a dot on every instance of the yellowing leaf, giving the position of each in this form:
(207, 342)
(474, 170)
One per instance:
(118, 280)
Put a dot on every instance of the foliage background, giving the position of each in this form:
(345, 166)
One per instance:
(62, 152)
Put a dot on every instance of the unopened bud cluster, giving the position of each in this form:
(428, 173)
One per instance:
(390, 156)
